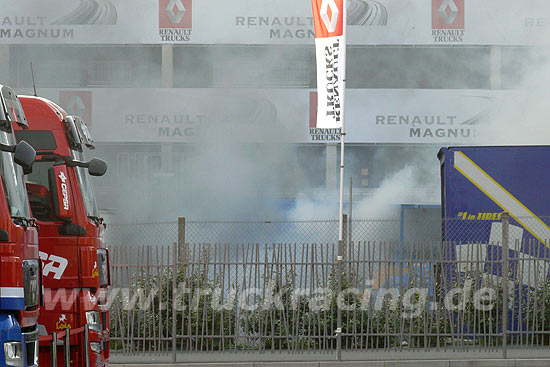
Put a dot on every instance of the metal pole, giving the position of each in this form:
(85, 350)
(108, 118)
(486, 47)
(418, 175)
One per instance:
(505, 313)
(86, 346)
(343, 131)
(174, 291)
(339, 260)
(340, 265)
(67, 348)
(182, 250)
(53, 348)
(341, 211)
(345, 237)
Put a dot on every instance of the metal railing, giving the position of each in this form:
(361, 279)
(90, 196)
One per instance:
(359, 296)
(80, 337)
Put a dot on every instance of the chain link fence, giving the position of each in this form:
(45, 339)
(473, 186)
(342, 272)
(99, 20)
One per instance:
(315, 231)
(392, 284)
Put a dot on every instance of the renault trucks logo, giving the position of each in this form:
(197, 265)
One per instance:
(175, 11)
(315, 133)
(448, 21)
(175, 20)
(77, 103)
(330, 20)
(448, 11)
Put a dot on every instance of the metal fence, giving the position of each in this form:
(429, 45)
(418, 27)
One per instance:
(389, 286)
(425, 226)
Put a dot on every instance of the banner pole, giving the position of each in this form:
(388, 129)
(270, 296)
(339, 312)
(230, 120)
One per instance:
(341, 253)
(342, 131)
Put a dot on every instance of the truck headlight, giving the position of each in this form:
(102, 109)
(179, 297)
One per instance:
(103, 265)
(14, 354)
(93, 321)
(31, 283)
(95, 347)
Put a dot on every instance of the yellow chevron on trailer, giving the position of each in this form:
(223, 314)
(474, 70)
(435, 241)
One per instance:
(490, 187)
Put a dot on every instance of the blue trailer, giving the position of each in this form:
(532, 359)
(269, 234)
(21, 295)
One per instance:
(479, 184)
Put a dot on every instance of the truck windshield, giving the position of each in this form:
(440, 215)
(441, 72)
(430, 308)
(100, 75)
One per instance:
(86, 188)
(12, 180)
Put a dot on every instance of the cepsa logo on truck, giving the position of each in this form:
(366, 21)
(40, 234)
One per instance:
(53, 264)
(64, 190)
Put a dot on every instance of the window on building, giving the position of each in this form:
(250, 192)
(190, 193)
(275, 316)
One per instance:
(521, 64)
(418, 67)
(225, 66)
(87, 66)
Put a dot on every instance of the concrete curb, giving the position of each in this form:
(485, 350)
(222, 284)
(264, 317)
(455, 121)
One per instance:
(411, 363)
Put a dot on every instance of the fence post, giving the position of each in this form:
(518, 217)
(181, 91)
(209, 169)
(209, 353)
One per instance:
(350, 224)
(174, 293)
(344, 251)
(181, 256)
(53, 348)
(67, 348)
(86, 346)
(505, 313)
(182, 250)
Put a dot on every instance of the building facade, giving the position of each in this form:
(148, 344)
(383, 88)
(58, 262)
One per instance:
(178, 92)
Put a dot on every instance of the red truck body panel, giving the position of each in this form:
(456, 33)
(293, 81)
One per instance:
(23, 245)
(20, 275)
(70, 262)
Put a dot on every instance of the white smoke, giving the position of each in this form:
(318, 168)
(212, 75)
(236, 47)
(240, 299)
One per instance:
(402, 187)
(317, 204)
(412, 177)
(521, 116)
(222, 180)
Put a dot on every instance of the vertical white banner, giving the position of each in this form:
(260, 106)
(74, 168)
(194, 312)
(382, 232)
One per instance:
(330, 44)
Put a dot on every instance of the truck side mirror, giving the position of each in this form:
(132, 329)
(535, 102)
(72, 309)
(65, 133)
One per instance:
(97, 167)
(24, 155)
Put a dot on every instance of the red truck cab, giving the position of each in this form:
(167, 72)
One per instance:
(20, 277)
(72, 246)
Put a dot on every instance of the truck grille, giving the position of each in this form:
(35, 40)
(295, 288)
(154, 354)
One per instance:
(31, 283)
(104, 316)
(103, 320)
(31, 348)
